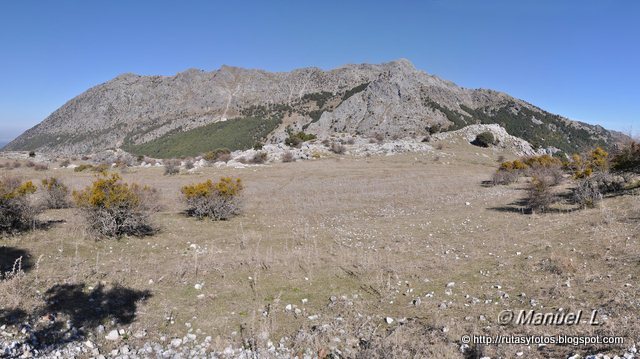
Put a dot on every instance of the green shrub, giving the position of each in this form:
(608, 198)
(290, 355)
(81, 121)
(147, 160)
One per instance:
(296, 139)
(17, 211)
(484, 139)
(114, 208)
(218, 201)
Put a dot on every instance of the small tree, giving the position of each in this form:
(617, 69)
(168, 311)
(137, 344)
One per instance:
(56, 193)
(539, 194)
(16, 209)
(113, 208)
(218, 201)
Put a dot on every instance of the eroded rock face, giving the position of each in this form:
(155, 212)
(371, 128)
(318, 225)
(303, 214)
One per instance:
(391, 99)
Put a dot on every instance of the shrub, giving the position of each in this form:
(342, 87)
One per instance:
(259, 157)
(188, 164)
(287, 156)
(41, 167)
(55, 193)
(32, 154)
(82, 168)
(65, 163)
(30, 164)
(217, 155)
(586, 193)
(584, 166)
(337, 148)
(590, 190)
(296, 139)
(113, 208)
(513, 165)
(484, 139)
(545, 161)
(218, 201)
(539, 194)
(436, 128)
(627, 159)
(504, 177)
(16, 209)
(171, 167)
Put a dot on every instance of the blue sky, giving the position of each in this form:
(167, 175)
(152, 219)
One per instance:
(576, 58)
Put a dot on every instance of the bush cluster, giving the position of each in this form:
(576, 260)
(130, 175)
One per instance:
(216, 200)
(217, 155)
(113, 208)
(296, 139)
(627, 159)
(590, 190)
(535, 166)
(17, 211)
(584, 166)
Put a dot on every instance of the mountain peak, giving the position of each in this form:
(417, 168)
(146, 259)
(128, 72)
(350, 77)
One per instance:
(393, 99)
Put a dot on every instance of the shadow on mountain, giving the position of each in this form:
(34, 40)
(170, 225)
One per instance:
(84, 311)
(14, 259)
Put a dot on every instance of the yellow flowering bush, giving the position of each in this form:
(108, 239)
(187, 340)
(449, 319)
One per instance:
(595, 161)
(114, 208)
(16, 210)
(216, 200)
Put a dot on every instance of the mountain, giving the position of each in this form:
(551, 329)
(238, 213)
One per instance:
(195, 111)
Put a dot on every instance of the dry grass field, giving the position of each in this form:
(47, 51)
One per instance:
(389, 256)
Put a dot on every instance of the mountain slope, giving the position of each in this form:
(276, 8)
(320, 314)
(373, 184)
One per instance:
(196, 110)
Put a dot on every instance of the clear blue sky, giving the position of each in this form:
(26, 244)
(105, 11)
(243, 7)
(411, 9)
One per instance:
(580, 59)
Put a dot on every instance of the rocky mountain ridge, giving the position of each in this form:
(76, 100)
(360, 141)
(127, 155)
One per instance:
(195, 110)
